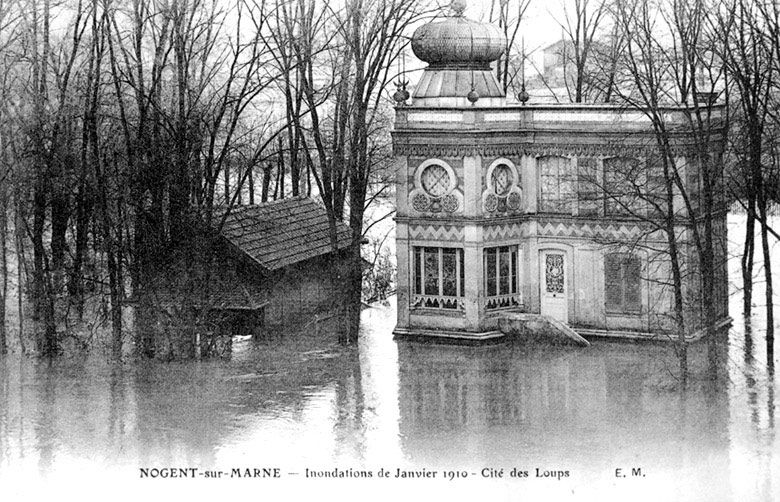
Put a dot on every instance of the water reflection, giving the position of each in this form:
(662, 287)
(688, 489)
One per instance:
(304, 401)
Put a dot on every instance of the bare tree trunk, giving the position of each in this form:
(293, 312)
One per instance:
(3, 264)
(251, 181)
(227, 182)
(770, 315)
(748, 254)
(21, 265)
(267, 169)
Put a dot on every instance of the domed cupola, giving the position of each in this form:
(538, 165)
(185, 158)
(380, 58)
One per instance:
(458, 52)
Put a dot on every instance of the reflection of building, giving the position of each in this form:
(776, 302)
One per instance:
(512, 405)
(527, 208)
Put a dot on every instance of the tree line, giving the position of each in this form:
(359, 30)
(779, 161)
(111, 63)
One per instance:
(128, 128)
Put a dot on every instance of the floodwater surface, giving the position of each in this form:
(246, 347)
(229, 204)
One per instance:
(504, 422)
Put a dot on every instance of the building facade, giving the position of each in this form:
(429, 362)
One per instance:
(541, 209)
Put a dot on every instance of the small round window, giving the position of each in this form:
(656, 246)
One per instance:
(502, 179)
(435, 180)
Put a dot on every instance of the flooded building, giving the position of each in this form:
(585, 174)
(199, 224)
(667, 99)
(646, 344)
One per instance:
(273, 270)
(287, 242)
(546, 210)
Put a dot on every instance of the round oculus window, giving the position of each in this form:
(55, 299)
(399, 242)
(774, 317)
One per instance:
(435, 180)
(502, 179)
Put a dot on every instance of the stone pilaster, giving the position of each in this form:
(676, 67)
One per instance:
(472, 257)
(530, 183)
(403, 274)
(401, 185)
(472, 245)
(472, 185)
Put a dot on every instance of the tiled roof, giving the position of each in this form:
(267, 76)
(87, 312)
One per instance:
(283, 232)
(446, 82)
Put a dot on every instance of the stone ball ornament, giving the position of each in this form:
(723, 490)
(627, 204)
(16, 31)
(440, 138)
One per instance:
(401, 95)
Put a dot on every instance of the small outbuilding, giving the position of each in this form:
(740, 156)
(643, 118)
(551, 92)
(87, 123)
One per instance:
(273, 270)
(288, 259)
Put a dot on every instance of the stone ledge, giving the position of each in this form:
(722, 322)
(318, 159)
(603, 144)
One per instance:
(648, 336)
(449, 336)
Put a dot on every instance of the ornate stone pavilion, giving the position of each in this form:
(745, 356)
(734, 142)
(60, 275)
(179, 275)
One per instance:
(495, 214)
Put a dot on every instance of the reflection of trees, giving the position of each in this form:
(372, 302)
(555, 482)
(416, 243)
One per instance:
(155, 412)
(192, 409)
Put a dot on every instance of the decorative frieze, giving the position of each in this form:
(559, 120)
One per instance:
(504, 232)
(436, 232)
(503, 302)
(438, 302)
(605, 149)
(620, 232)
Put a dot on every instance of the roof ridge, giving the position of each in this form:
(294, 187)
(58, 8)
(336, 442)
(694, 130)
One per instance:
(267, 203)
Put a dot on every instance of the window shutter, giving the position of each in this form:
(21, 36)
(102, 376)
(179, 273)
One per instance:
(613, 291)
(632, 284)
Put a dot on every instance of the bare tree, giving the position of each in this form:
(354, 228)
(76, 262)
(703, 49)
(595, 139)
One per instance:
(509, 15)
(581, 28)
(750, 35)
(342, 57)
(667, 48)
(9, 25)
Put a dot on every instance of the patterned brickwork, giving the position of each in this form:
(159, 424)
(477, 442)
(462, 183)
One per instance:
(436, 232)
(503, 232)
(612, 231)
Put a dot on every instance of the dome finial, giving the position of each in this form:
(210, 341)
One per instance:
(457, 7)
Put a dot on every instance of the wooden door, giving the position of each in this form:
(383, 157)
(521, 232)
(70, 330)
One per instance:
(553, 283)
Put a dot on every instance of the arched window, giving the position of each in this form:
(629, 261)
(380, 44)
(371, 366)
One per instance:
(556, 184)
(502, 179)
(435, 180)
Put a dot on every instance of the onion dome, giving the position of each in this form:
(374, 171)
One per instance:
(457, 42)
(458, 52)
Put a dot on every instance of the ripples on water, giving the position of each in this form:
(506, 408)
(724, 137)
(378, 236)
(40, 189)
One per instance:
(85, 427)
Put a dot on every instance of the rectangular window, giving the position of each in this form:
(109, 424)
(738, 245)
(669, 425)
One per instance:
(622, 283)
(501, 271)
(624, 179)
(438, 274)
(556, 185)
(432, 274)
(418, 271)
(589, 190)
